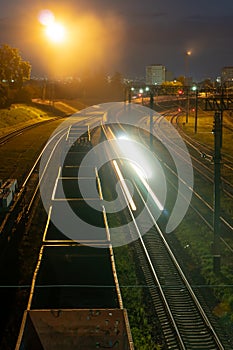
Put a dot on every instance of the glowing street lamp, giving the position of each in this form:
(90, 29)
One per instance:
(186, 80)
(55, 31)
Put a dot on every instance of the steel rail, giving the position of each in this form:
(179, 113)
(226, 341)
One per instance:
(184, 281)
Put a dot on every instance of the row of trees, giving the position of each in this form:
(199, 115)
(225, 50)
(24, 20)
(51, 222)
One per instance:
(14, 71)
(16, 85)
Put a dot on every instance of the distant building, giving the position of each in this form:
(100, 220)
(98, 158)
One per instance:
(227, 75)
(155, 74)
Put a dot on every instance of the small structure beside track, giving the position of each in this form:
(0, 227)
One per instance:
(7, 192)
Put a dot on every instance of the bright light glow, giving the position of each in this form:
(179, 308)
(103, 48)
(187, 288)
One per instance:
(46, 17)
(141, 174)
(55, 32)
(139, 170)
(123, 137)
(188, 53)
(132, 151)
(124, 187)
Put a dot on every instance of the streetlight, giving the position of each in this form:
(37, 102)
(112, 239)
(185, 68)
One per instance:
(128, 93)
(186, 80)
(55, 31)
(141, 92)
(186, 70)
(56, 34)
(194, 88)
(151, 93)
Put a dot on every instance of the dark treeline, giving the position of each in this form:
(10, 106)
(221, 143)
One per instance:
(92, 86)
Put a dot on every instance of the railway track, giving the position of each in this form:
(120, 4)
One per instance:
(202, 206)
(71, 274)
(6, 138)
(20, 208)
(184, 322)
(206, 153)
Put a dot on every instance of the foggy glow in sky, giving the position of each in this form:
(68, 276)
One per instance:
(124, 36)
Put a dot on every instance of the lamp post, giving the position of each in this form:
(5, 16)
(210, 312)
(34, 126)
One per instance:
(186, 80)
(187, 106)
(128, 93)
(217, 130)
(151, 118)
(194, 88)
(141, 91)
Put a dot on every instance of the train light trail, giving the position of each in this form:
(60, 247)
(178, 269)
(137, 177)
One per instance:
(139, 170)
(142, 177)
(133, 150)
(124, 187)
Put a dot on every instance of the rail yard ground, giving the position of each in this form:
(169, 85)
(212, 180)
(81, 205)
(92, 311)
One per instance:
(191, 240)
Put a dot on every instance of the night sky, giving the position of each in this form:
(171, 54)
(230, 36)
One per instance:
(123, 35)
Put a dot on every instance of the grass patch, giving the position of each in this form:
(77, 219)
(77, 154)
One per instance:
(142, 324)
(18, 155)
(197, 241)
(204, 130)
(19, 115)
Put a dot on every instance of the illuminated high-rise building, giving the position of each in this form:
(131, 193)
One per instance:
(155, 74)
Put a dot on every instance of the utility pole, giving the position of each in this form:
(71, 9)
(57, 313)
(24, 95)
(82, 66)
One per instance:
(196, 111)
(151, 118)
(129, 94)
(218, 104)
(217, 130)
(187, 107)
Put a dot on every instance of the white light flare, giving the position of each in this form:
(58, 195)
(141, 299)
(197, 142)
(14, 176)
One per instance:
(139, 170)
(55, 32)
(124, 187)
(133, 150)
(142, 176)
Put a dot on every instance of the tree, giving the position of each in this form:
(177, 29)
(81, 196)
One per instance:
(117, 86)
(3, 95)
(171, 87)
(13, 70)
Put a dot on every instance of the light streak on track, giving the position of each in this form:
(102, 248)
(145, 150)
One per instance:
(124, 187)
